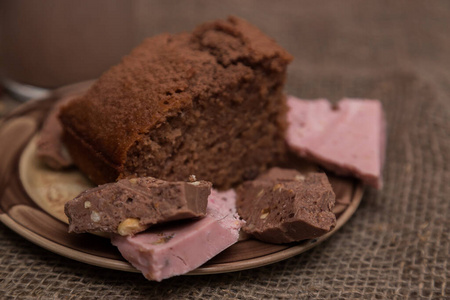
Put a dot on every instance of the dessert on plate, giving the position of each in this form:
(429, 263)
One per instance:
(208, 103)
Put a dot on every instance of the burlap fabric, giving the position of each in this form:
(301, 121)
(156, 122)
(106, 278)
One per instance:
(396, 246)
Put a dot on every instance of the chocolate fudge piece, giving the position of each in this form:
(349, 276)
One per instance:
(348, 138)
(285, 206)
(50, 148)
(209, 103)
(132, 205)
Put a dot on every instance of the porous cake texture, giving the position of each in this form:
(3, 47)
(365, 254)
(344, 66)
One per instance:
(208, 103)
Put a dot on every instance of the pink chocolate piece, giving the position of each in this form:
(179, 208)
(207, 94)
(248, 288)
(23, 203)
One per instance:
(50, 148)
(348, 139)
(181, 247)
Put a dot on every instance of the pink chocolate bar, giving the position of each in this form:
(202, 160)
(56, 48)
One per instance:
(179, 248)
(348, 139)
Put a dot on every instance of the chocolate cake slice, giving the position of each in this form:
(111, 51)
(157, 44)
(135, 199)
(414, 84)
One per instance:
(209, 103)
(285, 206)
(132, 205)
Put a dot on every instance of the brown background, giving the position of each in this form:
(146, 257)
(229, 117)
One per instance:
(397, 243)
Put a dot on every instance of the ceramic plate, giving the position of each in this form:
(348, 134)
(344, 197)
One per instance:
(32, 201)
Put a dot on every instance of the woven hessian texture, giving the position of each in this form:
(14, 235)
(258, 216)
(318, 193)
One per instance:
(396, 245)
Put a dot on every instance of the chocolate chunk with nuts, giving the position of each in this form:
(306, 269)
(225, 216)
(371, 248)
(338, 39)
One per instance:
(285, 206)
(132, 205)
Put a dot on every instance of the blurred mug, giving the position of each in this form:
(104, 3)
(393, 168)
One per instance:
(48, 44)
(51, 43)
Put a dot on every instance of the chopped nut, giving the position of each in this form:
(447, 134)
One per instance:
(299, 177)
(133, 180)
(95, 216)
(259, 195)
(263, 216)
(87, 204)
(264, 213)
(278, 187)
(129, 226)
(192, 178)
(265, 210)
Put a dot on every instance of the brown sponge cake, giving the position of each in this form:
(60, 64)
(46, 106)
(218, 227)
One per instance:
(208, 103)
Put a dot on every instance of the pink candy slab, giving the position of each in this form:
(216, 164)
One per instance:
(348, 139)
